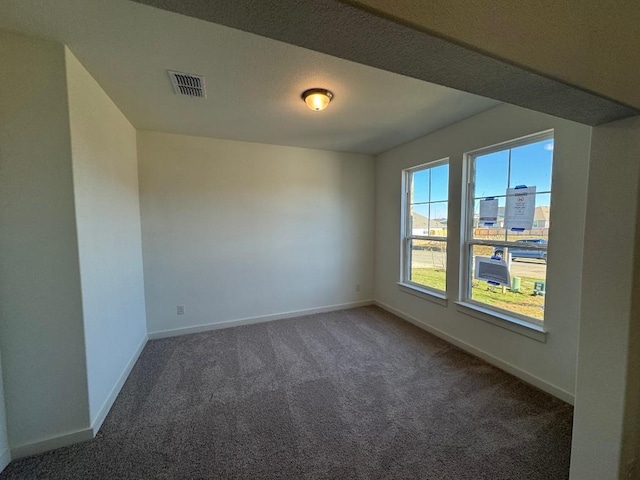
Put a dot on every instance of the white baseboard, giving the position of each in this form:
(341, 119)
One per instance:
(248, 321)
(52, 443)
(501, 364)
(5, 458)
(108, 403)
(85, 434)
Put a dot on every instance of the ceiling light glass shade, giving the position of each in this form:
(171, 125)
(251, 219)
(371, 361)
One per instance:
(317, 98)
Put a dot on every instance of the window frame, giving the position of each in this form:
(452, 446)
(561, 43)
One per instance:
(407, 236)
(467, 241)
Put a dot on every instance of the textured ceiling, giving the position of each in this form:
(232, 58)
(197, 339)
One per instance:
(254, 83)
(333, 27)
(591, 44)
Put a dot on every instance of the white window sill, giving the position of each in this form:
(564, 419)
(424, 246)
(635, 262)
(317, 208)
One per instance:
(531, 330)
(424, 293)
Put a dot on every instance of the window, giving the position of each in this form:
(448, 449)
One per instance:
(504, 264)
(424, 234)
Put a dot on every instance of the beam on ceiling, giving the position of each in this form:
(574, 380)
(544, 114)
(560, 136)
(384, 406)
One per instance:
(351, 33)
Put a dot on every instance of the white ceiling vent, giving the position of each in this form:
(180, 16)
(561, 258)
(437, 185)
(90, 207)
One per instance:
(188, 84)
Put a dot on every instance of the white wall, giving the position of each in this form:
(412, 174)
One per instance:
(105, 180)
(609, 343)
(549, 365)
(235, 230)
(631, 422)
(5, 454)
(41, 331)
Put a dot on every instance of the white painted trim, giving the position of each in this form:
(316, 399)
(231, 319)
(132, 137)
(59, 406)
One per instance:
(501, 364)
(431, 295)
(249, 321)
(5, 458)
(85, 434)
(52, 443)
(531, 330)
(108, 403)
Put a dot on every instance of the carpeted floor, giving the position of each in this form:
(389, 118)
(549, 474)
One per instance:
(356, 394)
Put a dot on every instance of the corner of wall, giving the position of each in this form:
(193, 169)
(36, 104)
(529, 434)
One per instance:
(107, 211)
(42, 326)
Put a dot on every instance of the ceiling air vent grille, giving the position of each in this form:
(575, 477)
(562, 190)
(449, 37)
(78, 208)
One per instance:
(188, 84)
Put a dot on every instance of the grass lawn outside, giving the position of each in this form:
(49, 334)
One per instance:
(430, 277)
(523, 302)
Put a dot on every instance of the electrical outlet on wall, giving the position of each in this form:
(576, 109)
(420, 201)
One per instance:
(180, 309)
(357, 287)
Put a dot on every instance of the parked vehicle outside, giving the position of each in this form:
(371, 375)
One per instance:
(517, 253)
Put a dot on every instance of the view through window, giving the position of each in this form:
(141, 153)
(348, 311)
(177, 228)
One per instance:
(507, 229)
(425, 225)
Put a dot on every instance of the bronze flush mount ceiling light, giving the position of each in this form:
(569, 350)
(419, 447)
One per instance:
(317, 98)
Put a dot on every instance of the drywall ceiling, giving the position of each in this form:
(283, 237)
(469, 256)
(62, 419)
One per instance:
(397, 38)
(254, 83)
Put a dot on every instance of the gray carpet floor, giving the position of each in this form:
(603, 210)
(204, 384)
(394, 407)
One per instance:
(355, 394)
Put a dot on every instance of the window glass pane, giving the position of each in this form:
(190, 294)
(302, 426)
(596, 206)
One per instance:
(440, 183)
(425, 260)
(534, 233)
(528, 278)
(420, 219)
(428, 265)
(541, 222)
(491, 173)
(528, 165)
(420, 186)
(541, 218)
(438, 216)
(531, 165)
(489, 232)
